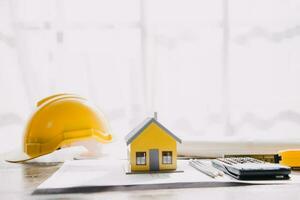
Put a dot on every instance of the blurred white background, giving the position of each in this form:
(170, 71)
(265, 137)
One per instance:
(210, 68)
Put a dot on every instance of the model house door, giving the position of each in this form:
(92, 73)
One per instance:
(154, 160)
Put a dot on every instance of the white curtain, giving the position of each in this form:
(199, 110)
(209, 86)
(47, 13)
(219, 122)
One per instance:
(210, 68)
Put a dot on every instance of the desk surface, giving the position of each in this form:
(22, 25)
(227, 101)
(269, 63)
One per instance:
(18, 181)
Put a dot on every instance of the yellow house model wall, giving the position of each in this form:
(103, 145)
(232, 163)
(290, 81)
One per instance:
(153, 137)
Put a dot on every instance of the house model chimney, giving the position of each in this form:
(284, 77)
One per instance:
(155, 115)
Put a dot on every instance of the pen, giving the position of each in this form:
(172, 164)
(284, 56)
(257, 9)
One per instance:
(203, 169)
(220, 173)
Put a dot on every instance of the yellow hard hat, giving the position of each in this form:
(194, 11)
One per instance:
(59, 121)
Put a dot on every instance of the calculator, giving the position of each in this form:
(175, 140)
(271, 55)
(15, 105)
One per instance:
(246, 168)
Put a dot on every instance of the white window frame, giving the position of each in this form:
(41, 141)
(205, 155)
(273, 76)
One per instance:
(167, 158)
(141, 160)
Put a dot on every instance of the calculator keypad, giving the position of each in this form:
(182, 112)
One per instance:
(240, 160)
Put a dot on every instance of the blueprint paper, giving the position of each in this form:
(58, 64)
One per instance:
(104, 173)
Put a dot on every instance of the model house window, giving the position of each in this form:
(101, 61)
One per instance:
(141, 158)
(167, 157)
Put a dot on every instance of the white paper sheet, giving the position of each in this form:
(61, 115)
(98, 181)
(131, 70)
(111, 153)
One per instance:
(104, 173)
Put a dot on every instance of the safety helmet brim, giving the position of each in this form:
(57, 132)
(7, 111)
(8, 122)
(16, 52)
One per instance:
(18, 156)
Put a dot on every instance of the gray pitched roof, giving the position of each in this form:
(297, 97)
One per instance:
(139, 129)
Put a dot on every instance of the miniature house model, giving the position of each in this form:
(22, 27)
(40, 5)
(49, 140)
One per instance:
(152, 147)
